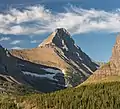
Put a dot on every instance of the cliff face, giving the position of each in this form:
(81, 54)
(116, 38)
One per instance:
(60, 51)
(110, 71)
(115, 59)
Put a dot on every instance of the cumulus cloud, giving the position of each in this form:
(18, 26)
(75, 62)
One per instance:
(15, 42)
(4, 39)
(38, 20)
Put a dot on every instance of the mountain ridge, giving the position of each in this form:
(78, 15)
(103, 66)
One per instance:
(59, 50)
(19, 72)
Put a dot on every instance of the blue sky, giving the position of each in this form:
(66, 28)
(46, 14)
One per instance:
(93, 24)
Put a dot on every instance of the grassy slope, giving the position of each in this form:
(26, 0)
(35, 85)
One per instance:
(93, 96)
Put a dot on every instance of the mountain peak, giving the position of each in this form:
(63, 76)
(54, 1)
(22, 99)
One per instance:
(60, 51)
(62, 31)
(57, 37)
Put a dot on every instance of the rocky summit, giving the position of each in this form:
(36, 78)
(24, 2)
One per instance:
(58, 51)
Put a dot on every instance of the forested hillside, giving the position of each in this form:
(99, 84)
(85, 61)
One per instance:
(94, 96)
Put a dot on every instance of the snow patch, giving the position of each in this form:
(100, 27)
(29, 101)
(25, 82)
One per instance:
(63, 71)
(64, 45)
(49, 76)
(76, 46)
(52, 70)
(7, 53)
(87, 67)
(77, 54)
(21, 65)
(80, 58)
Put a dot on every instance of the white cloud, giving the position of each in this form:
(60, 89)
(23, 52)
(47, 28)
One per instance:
(37, 20)
(10, 23)
(15, 42)
(34, 41)
(4, 38)
(19, 48)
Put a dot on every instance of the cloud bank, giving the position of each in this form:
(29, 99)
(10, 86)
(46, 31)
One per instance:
(38, 20)
(4, 38)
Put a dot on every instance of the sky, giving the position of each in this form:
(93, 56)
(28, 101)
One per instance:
(93, 24)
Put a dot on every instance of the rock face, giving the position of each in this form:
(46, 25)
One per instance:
(8, 68)
(59, 51)
(16, 72)
(115, 59)
(111, 70)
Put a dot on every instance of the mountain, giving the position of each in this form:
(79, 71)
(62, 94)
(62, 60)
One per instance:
(104, 94)
(60, 51)
(111, 70)
(11, 77)
(16, 73)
